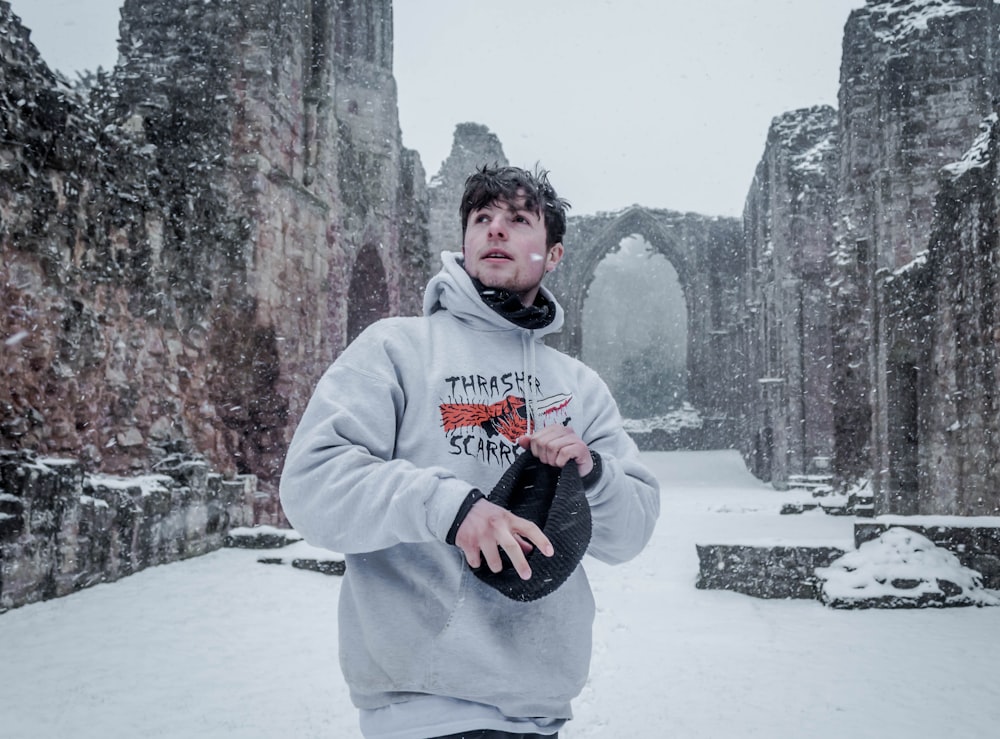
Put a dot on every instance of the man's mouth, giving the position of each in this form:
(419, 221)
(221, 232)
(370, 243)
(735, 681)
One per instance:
(496, 255)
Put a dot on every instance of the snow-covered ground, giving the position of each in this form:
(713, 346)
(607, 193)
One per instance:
(221, 646)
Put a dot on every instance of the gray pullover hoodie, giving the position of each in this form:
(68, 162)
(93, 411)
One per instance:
(414, 414)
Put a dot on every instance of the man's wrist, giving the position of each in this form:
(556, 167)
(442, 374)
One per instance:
(475, 495)
(594, 475)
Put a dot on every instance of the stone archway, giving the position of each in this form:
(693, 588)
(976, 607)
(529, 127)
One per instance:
(634, 330)
(368, 295)
(707, 254)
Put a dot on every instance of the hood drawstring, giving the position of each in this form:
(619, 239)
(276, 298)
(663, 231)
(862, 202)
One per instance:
(528, 364)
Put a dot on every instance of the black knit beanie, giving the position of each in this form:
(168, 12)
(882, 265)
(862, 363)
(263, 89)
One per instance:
(553, 498)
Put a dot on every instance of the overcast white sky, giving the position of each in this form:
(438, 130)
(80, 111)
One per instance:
(656, 102)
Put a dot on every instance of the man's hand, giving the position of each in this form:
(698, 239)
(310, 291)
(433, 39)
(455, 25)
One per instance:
(556, 445)
(488, 528)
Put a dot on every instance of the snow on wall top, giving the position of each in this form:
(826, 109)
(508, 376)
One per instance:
(809, 137)
(895, 21)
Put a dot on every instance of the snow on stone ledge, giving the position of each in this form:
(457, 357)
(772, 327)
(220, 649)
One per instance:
(978, 154)
(147, 484)
(914, 264)
(809, 136)
(939, 520)
(901, 569)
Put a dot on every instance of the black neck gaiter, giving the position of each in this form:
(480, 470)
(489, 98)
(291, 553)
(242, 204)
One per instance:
(538, 315)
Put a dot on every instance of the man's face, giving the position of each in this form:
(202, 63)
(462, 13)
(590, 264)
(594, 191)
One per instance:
(505, 247)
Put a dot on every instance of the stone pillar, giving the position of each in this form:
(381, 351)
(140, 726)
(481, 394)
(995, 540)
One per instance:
(788, 227)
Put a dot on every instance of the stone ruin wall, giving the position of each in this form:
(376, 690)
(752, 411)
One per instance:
(957, 393)
(911, 264)
(205, 245)
(788, 225)
(912, 97)
(182, 249)
(63, 528)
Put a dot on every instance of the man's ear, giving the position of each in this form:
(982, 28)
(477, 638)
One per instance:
(553, 255)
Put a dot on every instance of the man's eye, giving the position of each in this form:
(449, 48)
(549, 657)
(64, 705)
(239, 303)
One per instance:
(482, 218)
(520, 219)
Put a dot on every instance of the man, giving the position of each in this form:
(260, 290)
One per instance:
(407, 430)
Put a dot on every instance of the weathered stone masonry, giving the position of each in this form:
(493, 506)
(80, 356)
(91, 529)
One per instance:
(951, 408)
(912, 97)
(707, 253)
(185, 249)
(180, 251)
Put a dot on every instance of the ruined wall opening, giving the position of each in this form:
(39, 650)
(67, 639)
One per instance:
(763, 453)
(368, 295)
(634, 328)
(902, 383)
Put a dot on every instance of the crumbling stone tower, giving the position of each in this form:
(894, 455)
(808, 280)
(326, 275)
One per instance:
(473, 145)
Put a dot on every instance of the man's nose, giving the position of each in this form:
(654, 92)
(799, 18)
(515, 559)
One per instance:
(497, 229)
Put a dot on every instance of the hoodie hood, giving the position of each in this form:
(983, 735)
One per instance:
(452, 290)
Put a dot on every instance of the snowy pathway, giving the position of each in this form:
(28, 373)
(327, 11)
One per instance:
(221, 646)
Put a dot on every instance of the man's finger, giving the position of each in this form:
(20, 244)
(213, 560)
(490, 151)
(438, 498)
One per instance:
(517, 559)
(492, 555)
(526, 546)
(473, 557)
(530, 531)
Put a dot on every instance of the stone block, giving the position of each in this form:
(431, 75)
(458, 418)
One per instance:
(763, 571)
(322, 567)
(261, 537)
(11, 515)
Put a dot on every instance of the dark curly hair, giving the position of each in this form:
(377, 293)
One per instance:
(496, 184)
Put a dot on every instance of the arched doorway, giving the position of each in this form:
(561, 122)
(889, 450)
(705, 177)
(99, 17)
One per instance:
(634, 329)
(707, 254)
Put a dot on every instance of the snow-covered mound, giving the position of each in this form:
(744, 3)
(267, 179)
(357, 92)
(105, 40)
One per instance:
(901, 569)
